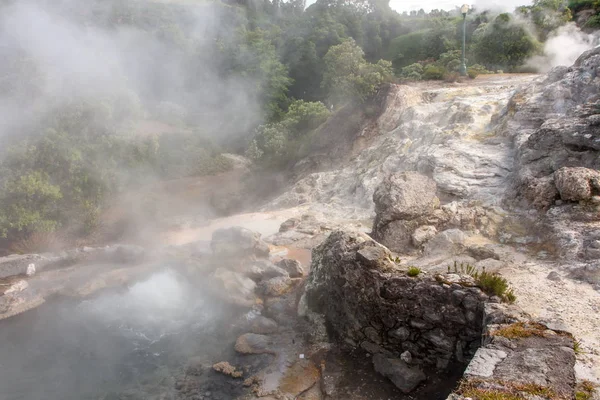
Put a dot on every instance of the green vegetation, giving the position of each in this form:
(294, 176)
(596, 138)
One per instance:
(491, 283)
(289, 67)
(585, 390)
(577, 347)
(413, 271)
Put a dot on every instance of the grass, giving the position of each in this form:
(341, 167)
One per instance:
(498, 390)
(520, 330)
(586, 391)
(491, 283)
(577, 348)
(413, 271)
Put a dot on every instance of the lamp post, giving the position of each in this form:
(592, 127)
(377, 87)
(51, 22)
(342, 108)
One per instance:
(464, 10)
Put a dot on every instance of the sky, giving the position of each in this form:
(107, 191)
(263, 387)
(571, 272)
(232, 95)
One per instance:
(428, 5)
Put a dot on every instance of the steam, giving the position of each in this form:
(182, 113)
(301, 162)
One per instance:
(563, 48)
(68, 58)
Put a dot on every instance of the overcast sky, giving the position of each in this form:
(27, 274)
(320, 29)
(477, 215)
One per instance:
(428, 5)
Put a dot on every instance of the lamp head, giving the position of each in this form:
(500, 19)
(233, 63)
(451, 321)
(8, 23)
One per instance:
(464, 9)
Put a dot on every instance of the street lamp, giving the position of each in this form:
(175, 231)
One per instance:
(464, 10)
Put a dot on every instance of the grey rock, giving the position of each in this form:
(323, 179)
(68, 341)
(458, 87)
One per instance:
(422, 234)
(263, 325)
(406, 357)
(251, 343)
(554, 276)
(405, 377)
(402, 196)
(448, 242)
(275, 287)
(577, 183)
(484, 362)
(440, 340)
(17, 264)
(263, 270)
(401, 333)
(292, 267)
(289, 224)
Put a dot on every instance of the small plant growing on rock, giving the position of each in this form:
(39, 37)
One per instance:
(499, 390)
(585, 391)
(413, 271)
(520, 330)
(491, 283)
(577, 348)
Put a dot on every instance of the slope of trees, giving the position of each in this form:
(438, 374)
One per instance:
(253, 77)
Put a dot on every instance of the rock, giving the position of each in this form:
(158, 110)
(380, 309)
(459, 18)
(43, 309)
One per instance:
(251, 343)
(405, 377)
(301, 376)
(292, 267)
(484, 362)
(483, 252)
(289, 224)
(194, 366)
(263, 270)
(275, 287)
(448, 242)
(406, 357)
(371, 298)
(263, 325)
(30, 270)
(234, 287)
(404, 195)
(238, 242)
(227, 369)
(422, 234)
(576, 184)
(401, 333)
(16, 264)
(554, 276)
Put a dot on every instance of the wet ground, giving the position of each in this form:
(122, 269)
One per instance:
(131, 343)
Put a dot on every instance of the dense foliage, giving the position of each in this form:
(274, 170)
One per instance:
(241, 76)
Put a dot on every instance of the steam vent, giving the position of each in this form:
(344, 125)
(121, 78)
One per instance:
(299, 200)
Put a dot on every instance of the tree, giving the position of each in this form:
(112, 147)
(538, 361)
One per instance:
(348, 76)
(503, 44)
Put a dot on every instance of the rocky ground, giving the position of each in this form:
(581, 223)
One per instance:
(500, 173)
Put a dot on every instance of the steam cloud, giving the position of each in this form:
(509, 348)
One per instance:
(563, 48)
(50, 55)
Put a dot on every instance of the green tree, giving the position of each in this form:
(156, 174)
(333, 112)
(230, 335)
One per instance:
(348, 76)
(503, 44)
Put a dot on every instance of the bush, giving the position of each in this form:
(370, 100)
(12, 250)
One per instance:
(413, 72)
(433, 72)
(413, 271)
(475, 70)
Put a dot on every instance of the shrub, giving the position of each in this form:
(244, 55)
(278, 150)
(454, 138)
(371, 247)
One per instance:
(413, 271)
(413, 72)
(433, 72)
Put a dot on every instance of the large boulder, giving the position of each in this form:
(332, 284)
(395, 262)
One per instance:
(576, 184)
(238, 242)
(369, 300)
(402, 203)
(403, 196)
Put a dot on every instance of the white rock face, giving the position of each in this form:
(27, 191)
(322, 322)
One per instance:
(30, 269)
